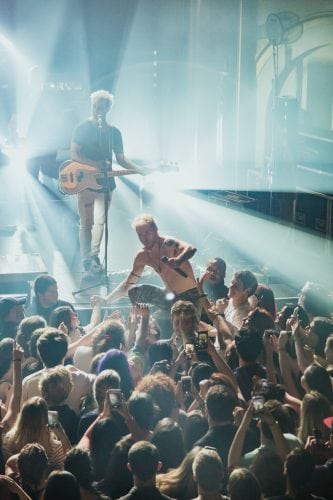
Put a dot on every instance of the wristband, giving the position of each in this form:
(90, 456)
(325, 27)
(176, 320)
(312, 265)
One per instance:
(16, 360)
(220, 314)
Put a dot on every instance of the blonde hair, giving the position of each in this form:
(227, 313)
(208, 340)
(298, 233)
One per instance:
(179, 480)
(101, 95)
(55, 385)
(315, 407)
(144, 219)
(30, 427)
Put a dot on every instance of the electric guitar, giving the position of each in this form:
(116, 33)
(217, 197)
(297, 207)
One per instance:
(75, 177)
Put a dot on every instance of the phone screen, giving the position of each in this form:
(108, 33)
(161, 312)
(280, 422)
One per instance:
(115, 398)
(52, 418)
(203, 340)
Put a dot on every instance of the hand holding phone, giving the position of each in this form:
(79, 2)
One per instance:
(186, 384)
(115, 398)
(202, 341)
(52, 419)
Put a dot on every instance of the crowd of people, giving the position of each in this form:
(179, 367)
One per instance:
(234, 400)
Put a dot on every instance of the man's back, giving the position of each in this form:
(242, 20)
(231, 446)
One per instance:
(145, 493)
(219, 437)
(82, 383)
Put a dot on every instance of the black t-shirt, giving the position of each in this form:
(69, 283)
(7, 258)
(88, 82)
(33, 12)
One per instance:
(216, 291)
(146, 493)
(98, 144)
(46, 312)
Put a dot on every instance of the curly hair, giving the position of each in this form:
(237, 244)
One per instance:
(163, 391)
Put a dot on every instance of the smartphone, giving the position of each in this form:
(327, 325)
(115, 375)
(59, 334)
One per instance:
(186, 384)
(301, 316)
(189, 348)
(320, 443)
(202, 341)
(53, 418)
(115, 398)
(258, 404)
(270, 332)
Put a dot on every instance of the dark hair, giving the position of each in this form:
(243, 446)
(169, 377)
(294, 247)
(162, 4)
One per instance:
(259, 319)
(111, 335)
(61, 315)
(52, 347)
(160, 350)
(118, 479)
(242, 484)
(117, 360)
(315, 300)
(33, 342)
(281, 416)
(42, 283)
(141, 408)
(77, 461)
(143, 458)
(196, 427)
(299, 466)
(199, 372)
(105, 434)
(267, 467)
(6, 355)
(248, 280)
(32, 465)
(248, 344)
(62, 484)
(168, 439)
(27, 327)
(318, 379)
(268, 390)
(322, 328)
(220, 264)
(266, 299)
(221, 403)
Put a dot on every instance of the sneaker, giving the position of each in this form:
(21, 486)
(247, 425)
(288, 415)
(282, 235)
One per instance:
(96, 266)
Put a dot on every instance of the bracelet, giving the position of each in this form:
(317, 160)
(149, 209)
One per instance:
(17, 360)
(220, 314)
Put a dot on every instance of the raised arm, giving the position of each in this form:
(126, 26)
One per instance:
(236, 448)
(15, 400)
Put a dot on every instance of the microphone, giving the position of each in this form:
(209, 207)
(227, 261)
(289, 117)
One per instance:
(178, 270)
(99, 121)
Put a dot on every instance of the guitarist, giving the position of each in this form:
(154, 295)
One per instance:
(93, 143)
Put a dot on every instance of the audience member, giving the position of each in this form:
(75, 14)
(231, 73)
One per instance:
(45, 298)
(143, 462)
(11, 315)
(52, 348)
(208, 474)
(179, 482)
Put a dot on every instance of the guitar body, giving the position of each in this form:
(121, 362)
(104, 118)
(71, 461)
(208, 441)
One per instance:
(75, 177)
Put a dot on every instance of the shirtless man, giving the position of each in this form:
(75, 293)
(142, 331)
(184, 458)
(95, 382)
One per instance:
(169, 258)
